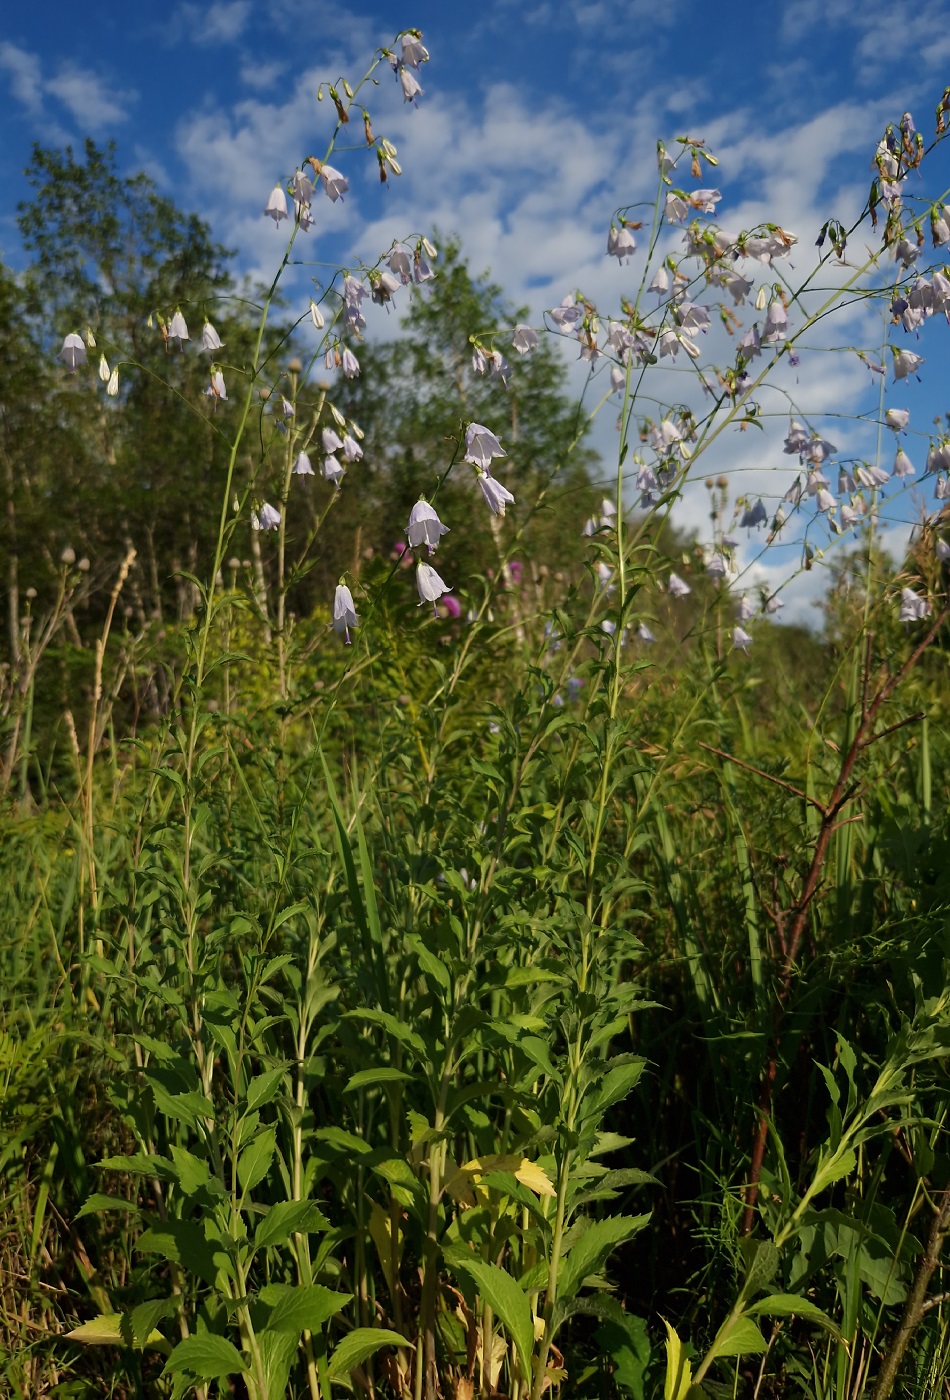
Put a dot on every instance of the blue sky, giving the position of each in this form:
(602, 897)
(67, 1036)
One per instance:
(537, 121)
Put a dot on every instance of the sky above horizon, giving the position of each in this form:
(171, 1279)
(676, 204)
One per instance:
(537, 121)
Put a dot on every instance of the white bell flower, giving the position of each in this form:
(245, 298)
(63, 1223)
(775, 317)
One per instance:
(430, 586)
(333, 470)
(73, 353)
(177, 329)
(344, 612)
(276, 206)
(481, 445)
(425, 527)
(677, 587)
(302, 465)
(267, 518)
(495, 494)
(741, 641)
(210, 340)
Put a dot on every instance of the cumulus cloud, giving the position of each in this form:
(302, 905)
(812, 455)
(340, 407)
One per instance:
(23, 69)
(94, 103)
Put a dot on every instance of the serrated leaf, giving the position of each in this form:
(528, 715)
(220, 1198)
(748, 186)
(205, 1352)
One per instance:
(357, 1345)
(142, 1320)
(289, 1218)
(109, 1329)
(594, 1247)
(207, 1356)
(97, 1202)
(254, 1162)
(263, 1088)
(295, 1309)
(742, 1338)
(679, 1373)
(503, 1295)
(790, 1305)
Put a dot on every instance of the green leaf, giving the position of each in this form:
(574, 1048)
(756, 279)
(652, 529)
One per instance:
(592, 1250)
(832, 1169)
(762, 1261)
(193, 1172)
(357, 1345)
(370, 1078)
(264, 1087)
(143, 1319)
(206, 1356)
(254, 1162)
(790, 1305)
(742, 1338)
(111, 1329)
(509, 1302)
(184, 1242)
(295, 1309)
(289, 1218)
(97, 1202)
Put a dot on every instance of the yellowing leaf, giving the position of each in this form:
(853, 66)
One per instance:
(461, 1181)
(535, 1178)
(106, 1330)
(679, 1373)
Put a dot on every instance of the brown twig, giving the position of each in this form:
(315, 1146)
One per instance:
(843, 792)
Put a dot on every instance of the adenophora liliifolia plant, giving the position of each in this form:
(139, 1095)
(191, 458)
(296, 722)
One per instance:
(442, 1136)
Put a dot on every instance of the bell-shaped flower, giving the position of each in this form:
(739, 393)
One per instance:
(741, 641)
(302, 465)
(383, 287)
(753, 516)
(913, 607)
(421, 271)
(267, 518)
(906, 252)
(524, 340)
(344, 612)
(644, 634)
(750, 344)
(677, 587)
(618, 379)
(497, 496)
(871, 477)
(846, 481)
(567, 315)
(350, 364)
(73, 353)
(335, 185)
(216, 389)
(414, 50)
(429, 585)
(177, 329)
(746, 608)
(903, 467)
(661, 282)
(399, 262)
(276, 206)
(331, 440)
(411, 87)
(942, 488)
(905, 363)
(301, 187)
(621, 243)
(676, 207)
(797, 440)
(590, 527)
(333, 470)
(849, 516)
(210, 340)
(826, 501)
(351, 448)
(776, 322)
(717, 566)
(481, 445)
(940, 226)
(425, 527)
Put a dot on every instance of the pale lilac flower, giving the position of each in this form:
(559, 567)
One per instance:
(621, 243)
(826, 501)
(495, 494)
(216, 389)
(846, 481)
(741, 641)
(691, 318)
(421, 271)
(903, 467)
(717, 565)
(351, 448)
(301, 187)
(849, 516)
(590, 527)
(618, 379)
(677, 587)
(73, 353)
(411, 88)
(316, 316)
(524, 340)
(210, 340)
(335, 185)
(897, 418)
(567, 315)
(940, 226)
(814, 481)
(481, 445)
(425, 527)
(906, 252)
(177, 329)
(661, 282)
(676, 207)
(383, 287)
(344, 612)
(644, 633)
(333, 470)
(750, 344)
(267, 518)
(429, 584)
(604, 575)
(276, 205)
(776, 322)
(414, 50)
(819, 449)
(331, 440)
(913, 607)
(668, 344)
(705, 200)
(942, 488)
(906, 362)
(753, 516)
(351, 365)
(399, 262)
(871, 477)
(746, 608)
(797, 439)
(302, 465)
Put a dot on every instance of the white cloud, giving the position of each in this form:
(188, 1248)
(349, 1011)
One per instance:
(93, 102)
(220, 23)
(26, 82)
